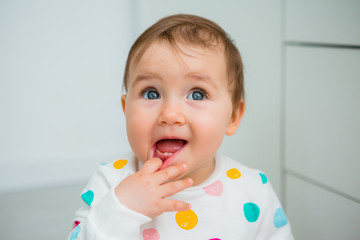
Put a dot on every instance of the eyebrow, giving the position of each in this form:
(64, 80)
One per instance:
(144, 77)
(202, 77)
(192, 75)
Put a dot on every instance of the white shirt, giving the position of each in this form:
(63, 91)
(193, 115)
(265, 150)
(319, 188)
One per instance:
(234, 203)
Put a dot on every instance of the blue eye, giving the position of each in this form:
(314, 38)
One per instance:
(150, 94)
(197, 95)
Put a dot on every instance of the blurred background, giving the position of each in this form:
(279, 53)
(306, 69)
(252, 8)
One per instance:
(61, 67)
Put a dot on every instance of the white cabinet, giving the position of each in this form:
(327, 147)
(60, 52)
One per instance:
(316, 213)
(322, 115)
(323, 21)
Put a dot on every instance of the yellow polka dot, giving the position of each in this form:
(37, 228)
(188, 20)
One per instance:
(186, 219)
(233, 173)
(120, 163)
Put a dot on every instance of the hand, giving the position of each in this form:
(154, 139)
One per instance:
(146, 190)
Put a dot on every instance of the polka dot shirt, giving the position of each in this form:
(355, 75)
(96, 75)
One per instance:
(235, 202)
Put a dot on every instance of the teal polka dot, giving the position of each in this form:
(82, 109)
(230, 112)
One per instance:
(280, 218)
(263, 178)
(88, 197)
(75, 233)
(251, 211)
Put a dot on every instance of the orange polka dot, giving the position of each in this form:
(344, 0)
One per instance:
(233, 173)
(186, 219)
(120, 163)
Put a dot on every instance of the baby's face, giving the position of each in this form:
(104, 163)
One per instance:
(178, 107)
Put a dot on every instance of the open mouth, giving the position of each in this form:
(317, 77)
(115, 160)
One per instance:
(168, 148)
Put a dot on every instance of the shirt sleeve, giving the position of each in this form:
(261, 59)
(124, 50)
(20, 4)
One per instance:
(274, 224)
(102, 216)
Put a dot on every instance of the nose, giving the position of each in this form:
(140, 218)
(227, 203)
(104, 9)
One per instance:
(171, 114)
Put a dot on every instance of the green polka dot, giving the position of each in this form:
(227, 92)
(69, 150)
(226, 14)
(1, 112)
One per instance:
(280, 218)
(88, 197)
(263, 178)
(75, 233)
(251, 212)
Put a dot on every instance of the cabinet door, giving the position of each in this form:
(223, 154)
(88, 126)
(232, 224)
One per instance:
(315, 213)
(323, 21)
(322, 116)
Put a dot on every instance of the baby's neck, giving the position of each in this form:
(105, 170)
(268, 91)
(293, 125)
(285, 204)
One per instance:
(202, 174)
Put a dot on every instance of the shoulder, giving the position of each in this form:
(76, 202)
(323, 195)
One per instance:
(107, 176)
(248, 191)
(251, 189)
(116, 170)
(236, 170)
(245, 182)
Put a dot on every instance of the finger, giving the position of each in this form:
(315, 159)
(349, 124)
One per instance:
(170, 173)
(170, 205)
(152, 165)
(171, 188)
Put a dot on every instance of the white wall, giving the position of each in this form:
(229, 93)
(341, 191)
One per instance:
(61, 73)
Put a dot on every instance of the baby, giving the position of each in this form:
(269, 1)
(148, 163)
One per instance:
(184, 92)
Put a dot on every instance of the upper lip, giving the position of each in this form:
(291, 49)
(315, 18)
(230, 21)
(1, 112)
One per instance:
(171, 137)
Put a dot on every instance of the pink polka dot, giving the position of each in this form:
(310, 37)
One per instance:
(151, 234)
(214, 189)
(215, 239)
(76, 223)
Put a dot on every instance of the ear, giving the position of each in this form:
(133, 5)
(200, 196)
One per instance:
(236, 119)
(123, 101)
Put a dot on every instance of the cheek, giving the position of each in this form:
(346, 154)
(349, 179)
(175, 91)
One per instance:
(215, 117)
(134, 126)
(138, 119)
(138, 127)
(211, 126)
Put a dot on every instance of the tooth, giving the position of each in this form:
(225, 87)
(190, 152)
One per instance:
(164, 153)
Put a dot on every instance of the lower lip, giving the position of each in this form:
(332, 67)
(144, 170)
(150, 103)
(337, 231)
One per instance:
(170, 159)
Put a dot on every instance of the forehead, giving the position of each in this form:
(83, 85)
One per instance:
(161, 57)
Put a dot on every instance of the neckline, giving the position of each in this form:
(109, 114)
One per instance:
(212, 178)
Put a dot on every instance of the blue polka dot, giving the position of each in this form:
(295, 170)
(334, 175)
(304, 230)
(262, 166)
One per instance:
(75, 233)
(263, 178)
(88, 197)
(251, 211)
(280, 218)
(103, 164)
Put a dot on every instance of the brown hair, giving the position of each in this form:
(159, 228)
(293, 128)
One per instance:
(190, 29)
